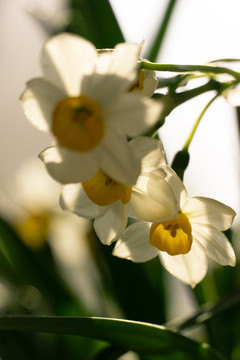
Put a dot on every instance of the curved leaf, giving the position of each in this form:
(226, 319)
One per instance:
(143, 338)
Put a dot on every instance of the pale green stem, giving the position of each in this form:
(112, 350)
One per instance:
(189, 139)
(205, 69)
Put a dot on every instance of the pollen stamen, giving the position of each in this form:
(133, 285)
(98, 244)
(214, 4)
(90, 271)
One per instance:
(77, 123)
(103, 190)
(173, 236)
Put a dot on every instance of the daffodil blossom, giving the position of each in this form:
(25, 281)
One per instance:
(146, 83)
(183, 244)
(150, 199)
(232, 95)
(84, 101)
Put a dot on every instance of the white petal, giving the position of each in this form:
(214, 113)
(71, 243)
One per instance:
(104, 60)
(149, 83)
(67, 166)
(39, 100)
(113, 74)
(177, 186)
(233, 96)
(104, 88)
(134, 244)
(133, 114)
(66, 58)
(209, 211)
(111, 225)
(150, 151)
(215, 243)
(74, 199)
(117, 159)
(123, 61)
(189, 268)
(152, 198)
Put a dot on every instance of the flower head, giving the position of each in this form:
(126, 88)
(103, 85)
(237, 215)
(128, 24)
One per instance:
(146, 83)
(84, 101)
(183, 244)
(110, 202)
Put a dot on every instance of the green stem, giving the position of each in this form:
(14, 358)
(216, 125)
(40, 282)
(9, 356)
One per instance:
(208, 313)
(181, 97)
(205, 69)
(189, 139)
(162, 31)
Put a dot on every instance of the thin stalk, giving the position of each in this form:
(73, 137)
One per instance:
(181, 97)
(208, 313)
(162, 31)
(190, 137)
(206, 69)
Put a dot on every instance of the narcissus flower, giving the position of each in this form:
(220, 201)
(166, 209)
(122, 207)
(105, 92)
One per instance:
(84, 101)
(146, 83)
(110, 202)
(184, 243)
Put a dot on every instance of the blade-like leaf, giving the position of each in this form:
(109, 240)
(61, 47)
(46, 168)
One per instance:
(95, 20)
(154, 51)
(120, 280)
(144, 338)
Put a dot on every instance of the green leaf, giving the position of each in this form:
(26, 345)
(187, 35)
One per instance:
(95, 20)
(109, 353)
(154, 51)
(11, 346)
(143, 338)
(120, 278)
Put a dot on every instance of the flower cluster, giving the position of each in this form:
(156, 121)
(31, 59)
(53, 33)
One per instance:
(98, 106)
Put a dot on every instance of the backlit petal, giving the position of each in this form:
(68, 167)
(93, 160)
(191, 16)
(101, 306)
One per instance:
(65, 59)
(189, 268)
(113, 74)
(67, 166)
(104, 88)
(177, 186)
(117, 159)
(150, 151)
(74, 199)
(38, 102)
(122, 61)
(134, 114)
(152, 198)
(209, 211)
(134, 244)
(111, 225)
(215, 243)
(149, 83)
(233, 96)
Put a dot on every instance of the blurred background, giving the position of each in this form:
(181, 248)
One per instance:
(199, 31)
